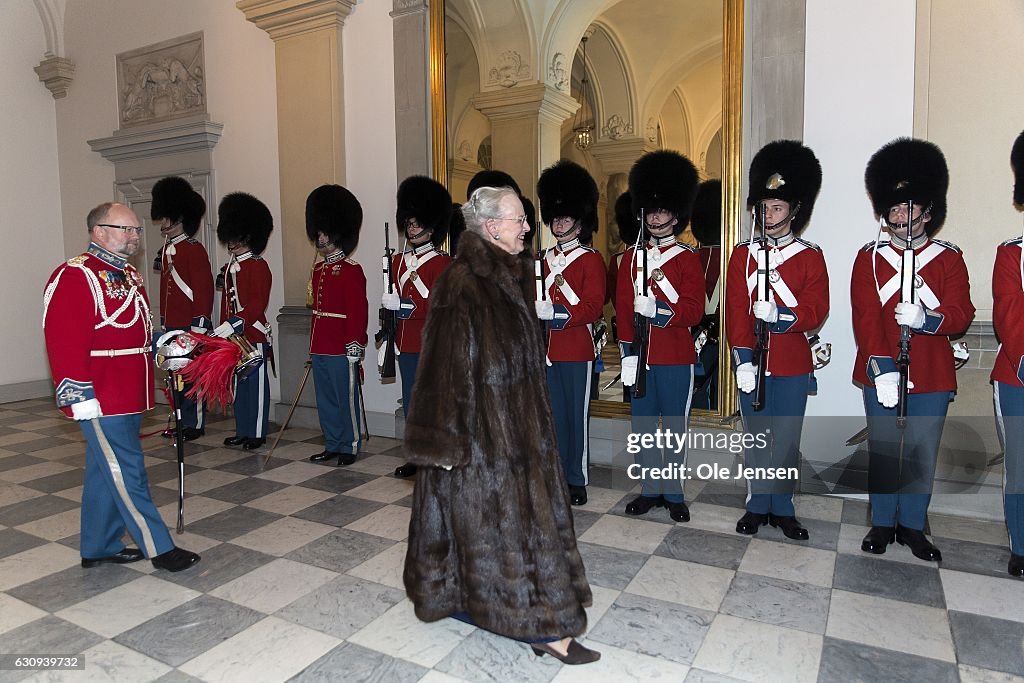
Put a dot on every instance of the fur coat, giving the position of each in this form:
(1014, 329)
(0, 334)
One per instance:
(493, 536)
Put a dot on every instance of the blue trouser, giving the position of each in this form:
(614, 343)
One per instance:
(407, 364)
(569, 386)
(901, 462)
(115, 495)
(337, 402)
(1009, 403)
(252, 402)
(781, 420)
(193, 414)
(668, 397)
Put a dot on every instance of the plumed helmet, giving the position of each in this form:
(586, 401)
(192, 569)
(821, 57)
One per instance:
(174, 198)
(456, 226)
(1017, 162)
(908, 169)
(786, 170)
(241, 217)
(625, 219)
(489, 178)
(334, 211)
(706, 220)
(566, 189)
(664, 180)
(428, 202)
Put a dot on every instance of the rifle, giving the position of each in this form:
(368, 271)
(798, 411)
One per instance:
(907, 274)
(760, 326)
(385, 337)
(641, 325)
(538, 279)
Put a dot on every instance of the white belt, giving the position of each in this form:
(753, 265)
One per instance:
(325, 314)
(110, 353)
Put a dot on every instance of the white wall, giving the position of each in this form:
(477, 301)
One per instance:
(30, 222)
(370, 161)
(241, 91)
(855, 77)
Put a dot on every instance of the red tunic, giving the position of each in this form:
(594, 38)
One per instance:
(427, 263)
(246, 294)
(612, 281)
(711, 262)
(670, 339)
(192, 266)
(93, 306)
(800, 290)
(946, 295)
(1007, 313)
(340, 309)
(581, 295)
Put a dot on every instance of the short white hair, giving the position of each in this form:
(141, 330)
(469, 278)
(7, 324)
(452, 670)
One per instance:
(484, 203)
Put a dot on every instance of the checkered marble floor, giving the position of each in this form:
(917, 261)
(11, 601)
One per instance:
(301, 580)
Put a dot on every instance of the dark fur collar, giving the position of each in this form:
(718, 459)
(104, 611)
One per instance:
(487, 260)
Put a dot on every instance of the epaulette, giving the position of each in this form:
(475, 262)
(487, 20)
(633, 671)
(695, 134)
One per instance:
(688, 247)
(77, 260)
(744, 243)
(809, 244)
(350, 261)
(948, 245)
(1013, 241)
(586, 248)
(870, 246)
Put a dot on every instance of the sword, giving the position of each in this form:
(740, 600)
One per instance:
(305, 376)
(177, 385)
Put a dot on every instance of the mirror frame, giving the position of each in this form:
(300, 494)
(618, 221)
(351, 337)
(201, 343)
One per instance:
(732, 180)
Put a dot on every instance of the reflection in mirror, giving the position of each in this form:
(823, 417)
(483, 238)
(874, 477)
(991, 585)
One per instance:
(608, 90)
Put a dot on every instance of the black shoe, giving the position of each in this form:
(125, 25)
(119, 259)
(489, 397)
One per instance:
(191, 433)
(575, 653)
(577, 495)
(918, 544)
(791, 527)
(404, 471)
(122, 557)
(167, 433)
(1016, 565)
(175, 559)
(641, 505)
(750, 522)
(678, 511)
(253, 444)
(235, 440)
(346, 458)
(878, 539)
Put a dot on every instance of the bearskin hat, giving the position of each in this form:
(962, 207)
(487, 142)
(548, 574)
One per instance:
(908, 169)
(664, 180)
(456, 226)
(174, 198)
(241, 217)
(334, 211)
(531, 220)
(489, 178)
(566, 189)
(428, 202)
(625, 219)
(1017, 162)
(706, 220)
(786, 170)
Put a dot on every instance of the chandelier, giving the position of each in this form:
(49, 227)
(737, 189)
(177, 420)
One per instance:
(582, 130)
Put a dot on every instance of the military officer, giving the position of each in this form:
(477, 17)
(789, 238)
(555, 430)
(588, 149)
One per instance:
(572, 301)
(98, 331)
(706, 225)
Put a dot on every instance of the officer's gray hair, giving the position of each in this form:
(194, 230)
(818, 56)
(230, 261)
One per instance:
(485, 203)
(98, 215)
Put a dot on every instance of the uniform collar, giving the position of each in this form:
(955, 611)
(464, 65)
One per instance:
(334, 257)
(422, 249)
(243, 257)
(665, 241)
(916, 243)
(108, 257)
(568, 246)
(781, 240)
(180, 238)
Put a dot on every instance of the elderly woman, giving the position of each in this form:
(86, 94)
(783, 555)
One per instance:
(491, 539)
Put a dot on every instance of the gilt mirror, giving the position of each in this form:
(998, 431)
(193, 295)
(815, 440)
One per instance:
(517, 85)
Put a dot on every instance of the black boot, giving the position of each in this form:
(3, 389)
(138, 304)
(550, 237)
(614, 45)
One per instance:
(175, 559)
(235, 440)
(641, 505)
(577, 495)
(1016, 565)
(405, 471)
(918, 544)
(791, 527)
(253, 444)
(878, 539)
(750, 522)
(678, 511)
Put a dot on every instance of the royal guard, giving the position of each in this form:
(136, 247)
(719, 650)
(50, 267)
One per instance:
(766, 323)
(186, 280)
(629, 229)
(244, 226)
(423, 215)
(706, 225)
(571, 302)
(337, 336)
(659, 297)
(1008, 373)
(909, 293)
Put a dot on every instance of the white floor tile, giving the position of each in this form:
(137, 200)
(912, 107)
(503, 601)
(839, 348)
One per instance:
(621, 666)
(626, 534)
(984, 595)
(288, 501)
(790, 562)
(108, 661)
(385, 567)
(20, 475)
(36, 563)
(15, 613)
(890, 624)
(273, 585)
(752, 651)
(400, 634)
(384, 489)
(282, 536)
(684, 583)
(54, 527)
(391, 521)
(125, 607)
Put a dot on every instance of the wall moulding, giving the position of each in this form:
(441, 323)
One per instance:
(161, 82)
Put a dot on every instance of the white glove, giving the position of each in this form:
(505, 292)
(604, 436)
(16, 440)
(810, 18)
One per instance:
(354, 360)
(224, 330)
(645, 306)
(86, 410)
(391, 301)
(629, 367)
(545, 310)
(887, 385)
(746, 377)
(910, 314)
(766, 311)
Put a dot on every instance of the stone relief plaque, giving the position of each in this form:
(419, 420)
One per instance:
(162, 81)
(509, 70)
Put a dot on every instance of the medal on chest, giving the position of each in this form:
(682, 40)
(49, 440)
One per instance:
(336, 269)
(115, 284)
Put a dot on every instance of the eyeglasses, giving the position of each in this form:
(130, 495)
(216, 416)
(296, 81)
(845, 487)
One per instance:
(518, 219)
(137, 229)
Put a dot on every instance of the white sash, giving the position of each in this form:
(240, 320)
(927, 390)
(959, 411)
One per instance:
(779, 287)
(412, 264)
(657, 259)
(168, 254)
(894, 259)
(555, 270)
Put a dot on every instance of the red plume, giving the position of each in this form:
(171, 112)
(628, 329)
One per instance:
(212, 372)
